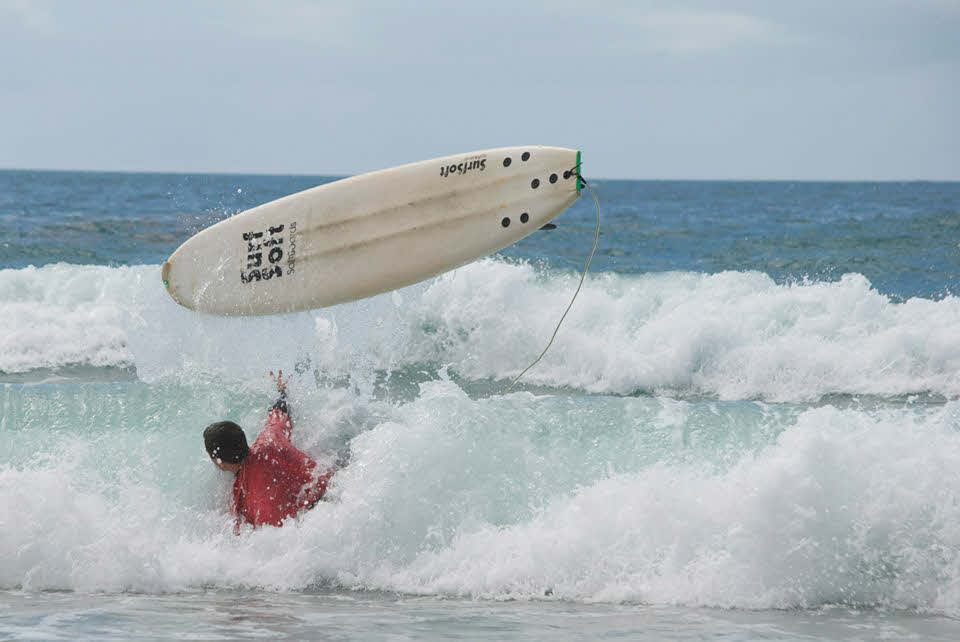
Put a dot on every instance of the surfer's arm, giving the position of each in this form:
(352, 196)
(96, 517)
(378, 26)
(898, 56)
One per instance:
(279, 417)
(235, 510)
(281, 403)
(314, 492)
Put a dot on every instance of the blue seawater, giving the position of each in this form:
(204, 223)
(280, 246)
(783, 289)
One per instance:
(748, 426)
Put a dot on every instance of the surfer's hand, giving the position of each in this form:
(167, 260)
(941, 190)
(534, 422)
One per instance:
(278, 379)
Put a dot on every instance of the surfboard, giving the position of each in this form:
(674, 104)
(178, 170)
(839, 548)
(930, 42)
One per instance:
(371, 233)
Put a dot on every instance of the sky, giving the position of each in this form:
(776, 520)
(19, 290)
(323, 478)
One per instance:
(806, 90)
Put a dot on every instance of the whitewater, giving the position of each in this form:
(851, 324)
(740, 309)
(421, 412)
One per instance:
(730, 335)
(727, 447)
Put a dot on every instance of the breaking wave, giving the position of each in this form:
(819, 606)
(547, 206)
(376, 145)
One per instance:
(731, 335)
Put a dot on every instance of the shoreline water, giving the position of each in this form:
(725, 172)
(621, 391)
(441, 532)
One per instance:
(328, 614)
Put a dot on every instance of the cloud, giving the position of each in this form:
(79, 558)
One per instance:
(701, 31)
(292, 20)
(31, 16)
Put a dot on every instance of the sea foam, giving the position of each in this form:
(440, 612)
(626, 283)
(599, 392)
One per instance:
(515, 496)
(731, 335)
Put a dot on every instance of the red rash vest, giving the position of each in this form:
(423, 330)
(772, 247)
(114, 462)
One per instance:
(276, 480)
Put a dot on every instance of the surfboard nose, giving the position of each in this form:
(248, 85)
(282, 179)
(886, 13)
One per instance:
(165, 274)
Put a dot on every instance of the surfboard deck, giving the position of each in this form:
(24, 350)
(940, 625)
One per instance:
(371, 233)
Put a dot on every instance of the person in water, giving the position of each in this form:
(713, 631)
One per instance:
(274, 480)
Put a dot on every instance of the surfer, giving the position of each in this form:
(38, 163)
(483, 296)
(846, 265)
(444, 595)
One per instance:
(274, 480)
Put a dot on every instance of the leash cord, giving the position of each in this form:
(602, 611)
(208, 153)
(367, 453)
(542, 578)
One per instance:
(586, 267)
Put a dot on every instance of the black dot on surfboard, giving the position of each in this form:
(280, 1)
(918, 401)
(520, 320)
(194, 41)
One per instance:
(505, 222)
(553, 178)
(566, 175)
(525, 156)
(507, 161)
(535, 183)
(524, 217)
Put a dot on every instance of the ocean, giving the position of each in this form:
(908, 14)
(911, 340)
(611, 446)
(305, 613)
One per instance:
(748, 426)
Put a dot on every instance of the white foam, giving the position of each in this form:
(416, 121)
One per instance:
(844, 508)
(62, 315)
(524, 497)
(732, 335)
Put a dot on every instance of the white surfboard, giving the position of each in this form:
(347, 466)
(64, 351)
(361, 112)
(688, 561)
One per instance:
(368, 234)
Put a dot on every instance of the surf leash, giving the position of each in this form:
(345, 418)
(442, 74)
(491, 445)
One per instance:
(582, 183)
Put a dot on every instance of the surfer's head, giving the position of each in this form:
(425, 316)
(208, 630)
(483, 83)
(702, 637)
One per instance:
(226, 444)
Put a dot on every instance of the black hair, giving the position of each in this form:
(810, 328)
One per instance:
(225, 441)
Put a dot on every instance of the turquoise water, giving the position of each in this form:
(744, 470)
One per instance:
(748, 425)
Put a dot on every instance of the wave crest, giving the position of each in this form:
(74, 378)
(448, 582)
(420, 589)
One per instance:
(732, 335)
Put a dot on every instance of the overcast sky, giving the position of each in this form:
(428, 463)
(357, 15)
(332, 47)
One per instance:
(765, 89)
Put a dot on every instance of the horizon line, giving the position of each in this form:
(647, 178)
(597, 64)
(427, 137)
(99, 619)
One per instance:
(53, 170)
